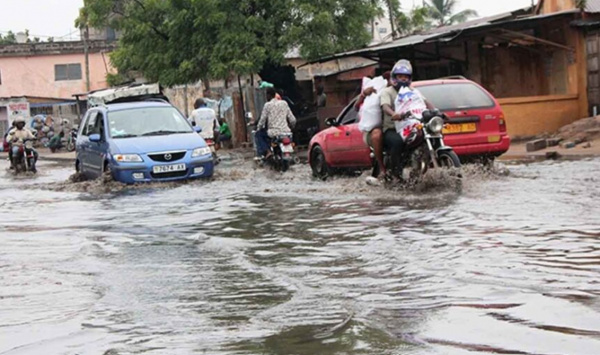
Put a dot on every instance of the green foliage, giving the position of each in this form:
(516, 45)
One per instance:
(442, 12)
(417, 20)
(117, 79)
(181, 41)
(581, 4)
(9, 38)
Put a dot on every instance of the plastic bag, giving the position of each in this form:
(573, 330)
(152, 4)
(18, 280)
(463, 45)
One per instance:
(409, 100)
(370, 113)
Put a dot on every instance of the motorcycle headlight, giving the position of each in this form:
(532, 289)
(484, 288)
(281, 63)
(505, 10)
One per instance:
(198, 152)
(436, 125)
(128, 158)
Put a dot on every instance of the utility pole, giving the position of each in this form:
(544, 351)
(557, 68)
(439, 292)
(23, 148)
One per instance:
(86, 51)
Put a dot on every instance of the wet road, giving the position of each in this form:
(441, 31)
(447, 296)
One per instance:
(256, 263)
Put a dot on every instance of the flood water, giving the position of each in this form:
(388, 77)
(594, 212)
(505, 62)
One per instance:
(254, 262)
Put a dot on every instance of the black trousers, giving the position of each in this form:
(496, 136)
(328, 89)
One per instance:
(393, 144)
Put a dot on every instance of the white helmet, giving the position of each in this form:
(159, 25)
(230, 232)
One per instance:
(20, 119)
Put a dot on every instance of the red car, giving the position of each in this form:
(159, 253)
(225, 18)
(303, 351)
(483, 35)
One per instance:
(477, 128)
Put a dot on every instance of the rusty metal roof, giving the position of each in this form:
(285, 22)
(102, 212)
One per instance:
(448, 33)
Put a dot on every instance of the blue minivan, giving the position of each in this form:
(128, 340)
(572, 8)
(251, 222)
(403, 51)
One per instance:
(141, 142)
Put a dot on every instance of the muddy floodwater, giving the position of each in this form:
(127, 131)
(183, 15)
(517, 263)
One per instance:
(253, 262)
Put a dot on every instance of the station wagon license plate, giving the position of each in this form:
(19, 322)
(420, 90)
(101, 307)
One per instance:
(460, 128)
(161, 169)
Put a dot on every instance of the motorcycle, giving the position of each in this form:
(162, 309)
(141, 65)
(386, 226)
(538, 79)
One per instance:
(211, 144)
(24, 160)
(282, 151)
(71, 139)
(424, 149)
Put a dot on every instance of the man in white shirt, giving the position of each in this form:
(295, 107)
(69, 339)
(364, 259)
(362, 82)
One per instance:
(205, 118)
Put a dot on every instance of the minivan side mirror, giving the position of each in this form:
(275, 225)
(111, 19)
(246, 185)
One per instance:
(331, 122)
(197, 129)
(95, 138)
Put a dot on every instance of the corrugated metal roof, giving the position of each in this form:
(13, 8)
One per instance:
(593, 6)
(448, 31)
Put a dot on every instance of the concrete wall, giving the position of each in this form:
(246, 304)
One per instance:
(530, 116)
(34, 75)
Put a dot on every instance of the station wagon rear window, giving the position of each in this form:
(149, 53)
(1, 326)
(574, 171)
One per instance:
(456, 96)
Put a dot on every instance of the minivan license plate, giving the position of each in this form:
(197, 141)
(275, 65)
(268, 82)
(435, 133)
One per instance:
(161, 169)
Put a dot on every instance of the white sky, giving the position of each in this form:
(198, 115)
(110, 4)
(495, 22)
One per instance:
(56, 17)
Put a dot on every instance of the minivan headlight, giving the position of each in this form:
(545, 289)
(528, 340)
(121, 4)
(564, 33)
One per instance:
(198, 152)
(128, 158)
(436, 125)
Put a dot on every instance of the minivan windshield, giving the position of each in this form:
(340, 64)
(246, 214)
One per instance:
(456, 96)
(146, 122)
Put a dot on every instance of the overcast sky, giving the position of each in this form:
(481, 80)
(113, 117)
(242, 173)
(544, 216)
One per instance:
(56, 17)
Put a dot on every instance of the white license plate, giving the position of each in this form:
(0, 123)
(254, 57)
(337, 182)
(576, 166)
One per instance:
(161, 169)
(287, 148)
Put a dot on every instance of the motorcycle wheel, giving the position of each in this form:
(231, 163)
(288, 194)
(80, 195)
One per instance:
(285, 165)
(32, 167)
(20, 167)
(318, 164)
(449, 160)
(70, 146)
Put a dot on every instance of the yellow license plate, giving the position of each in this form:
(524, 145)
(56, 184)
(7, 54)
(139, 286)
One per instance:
(460, 128)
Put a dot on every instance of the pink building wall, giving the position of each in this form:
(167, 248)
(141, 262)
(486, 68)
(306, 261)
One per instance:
(34, 75)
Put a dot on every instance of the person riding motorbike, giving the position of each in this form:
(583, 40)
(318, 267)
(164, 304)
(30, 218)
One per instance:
(276, 120)
(374, 138)
(16, 138)
(398, 102)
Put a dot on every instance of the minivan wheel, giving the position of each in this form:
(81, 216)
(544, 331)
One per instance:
(107, 176)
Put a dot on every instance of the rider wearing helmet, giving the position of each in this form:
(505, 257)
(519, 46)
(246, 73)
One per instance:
(397, 102)
(17, 136)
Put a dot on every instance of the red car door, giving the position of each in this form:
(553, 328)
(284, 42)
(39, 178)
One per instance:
(345, 143)
(339, 144)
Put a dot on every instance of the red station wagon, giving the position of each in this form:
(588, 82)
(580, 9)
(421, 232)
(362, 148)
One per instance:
(477, 128)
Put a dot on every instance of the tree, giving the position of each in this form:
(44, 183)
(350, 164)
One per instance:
(182, 41)
(417, 20)
(581, 4)
(9, 38)
(442, 12)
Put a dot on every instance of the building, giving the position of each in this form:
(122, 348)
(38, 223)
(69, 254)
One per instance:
(534, 60)
(55, 69)
(43, 77)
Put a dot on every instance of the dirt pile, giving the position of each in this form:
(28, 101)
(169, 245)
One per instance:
(584, 130)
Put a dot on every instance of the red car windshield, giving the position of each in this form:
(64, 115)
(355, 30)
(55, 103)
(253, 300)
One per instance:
(456, 96)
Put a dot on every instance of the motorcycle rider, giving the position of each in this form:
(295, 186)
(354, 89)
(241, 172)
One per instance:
(17, 137)
(276, 120)
(398, 102)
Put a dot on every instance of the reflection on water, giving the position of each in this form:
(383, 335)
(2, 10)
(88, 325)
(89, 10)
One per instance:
(254, 262)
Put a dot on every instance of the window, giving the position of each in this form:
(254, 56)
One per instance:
(90, 122)
(459, 96)
(150, 121)
(67, 72)
(350, 116)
